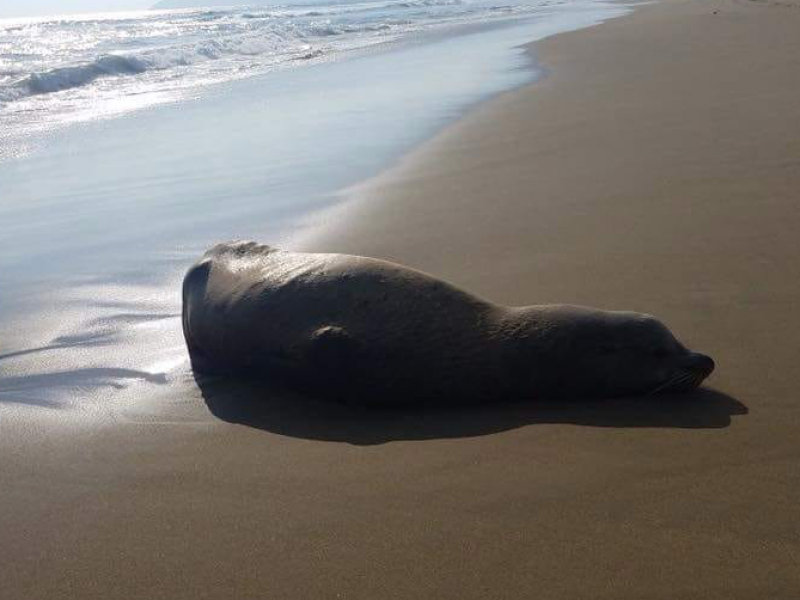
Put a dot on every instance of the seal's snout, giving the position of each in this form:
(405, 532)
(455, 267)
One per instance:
(700, 365)
(691, 372)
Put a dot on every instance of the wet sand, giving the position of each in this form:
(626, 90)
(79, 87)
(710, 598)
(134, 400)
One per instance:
(656, 168)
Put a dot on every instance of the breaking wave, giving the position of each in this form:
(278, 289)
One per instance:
(120, 65)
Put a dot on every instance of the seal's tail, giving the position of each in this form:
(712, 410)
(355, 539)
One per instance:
(240, 248)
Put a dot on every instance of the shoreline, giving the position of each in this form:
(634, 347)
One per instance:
(112, 212)
(641, 173)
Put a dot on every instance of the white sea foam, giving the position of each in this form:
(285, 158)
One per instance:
(109, 65)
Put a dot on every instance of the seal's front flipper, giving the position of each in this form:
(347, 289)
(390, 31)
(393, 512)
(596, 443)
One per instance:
(332, 350)
(321, 358)
(332, 364)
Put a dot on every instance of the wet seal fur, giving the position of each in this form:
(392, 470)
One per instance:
(372, 331)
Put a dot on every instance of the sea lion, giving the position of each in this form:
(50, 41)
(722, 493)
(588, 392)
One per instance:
(369, 330)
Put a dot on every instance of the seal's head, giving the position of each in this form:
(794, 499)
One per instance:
(612, 354)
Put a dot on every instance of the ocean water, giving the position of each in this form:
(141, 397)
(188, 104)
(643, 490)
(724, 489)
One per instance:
(130, 143)
(72, 68)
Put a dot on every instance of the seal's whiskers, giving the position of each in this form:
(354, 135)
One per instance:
(682, 380)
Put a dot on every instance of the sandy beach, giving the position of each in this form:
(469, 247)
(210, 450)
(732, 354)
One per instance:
(655, 168)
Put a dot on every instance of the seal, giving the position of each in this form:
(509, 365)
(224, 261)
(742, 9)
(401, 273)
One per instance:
(369, 330)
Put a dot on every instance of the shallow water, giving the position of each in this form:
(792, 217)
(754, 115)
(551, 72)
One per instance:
(100, 218)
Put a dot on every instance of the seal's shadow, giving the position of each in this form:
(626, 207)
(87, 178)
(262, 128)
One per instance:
(285, 412)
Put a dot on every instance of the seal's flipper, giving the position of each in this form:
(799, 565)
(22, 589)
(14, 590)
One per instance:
(239, 249)
(332, 349)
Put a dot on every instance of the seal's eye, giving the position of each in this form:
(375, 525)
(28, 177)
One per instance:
(660, 353)
(610, 349)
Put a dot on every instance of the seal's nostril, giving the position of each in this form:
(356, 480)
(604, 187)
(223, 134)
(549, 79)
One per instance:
(700, 364)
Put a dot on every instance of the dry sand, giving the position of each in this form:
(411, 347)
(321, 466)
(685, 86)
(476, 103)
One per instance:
(657, 169)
